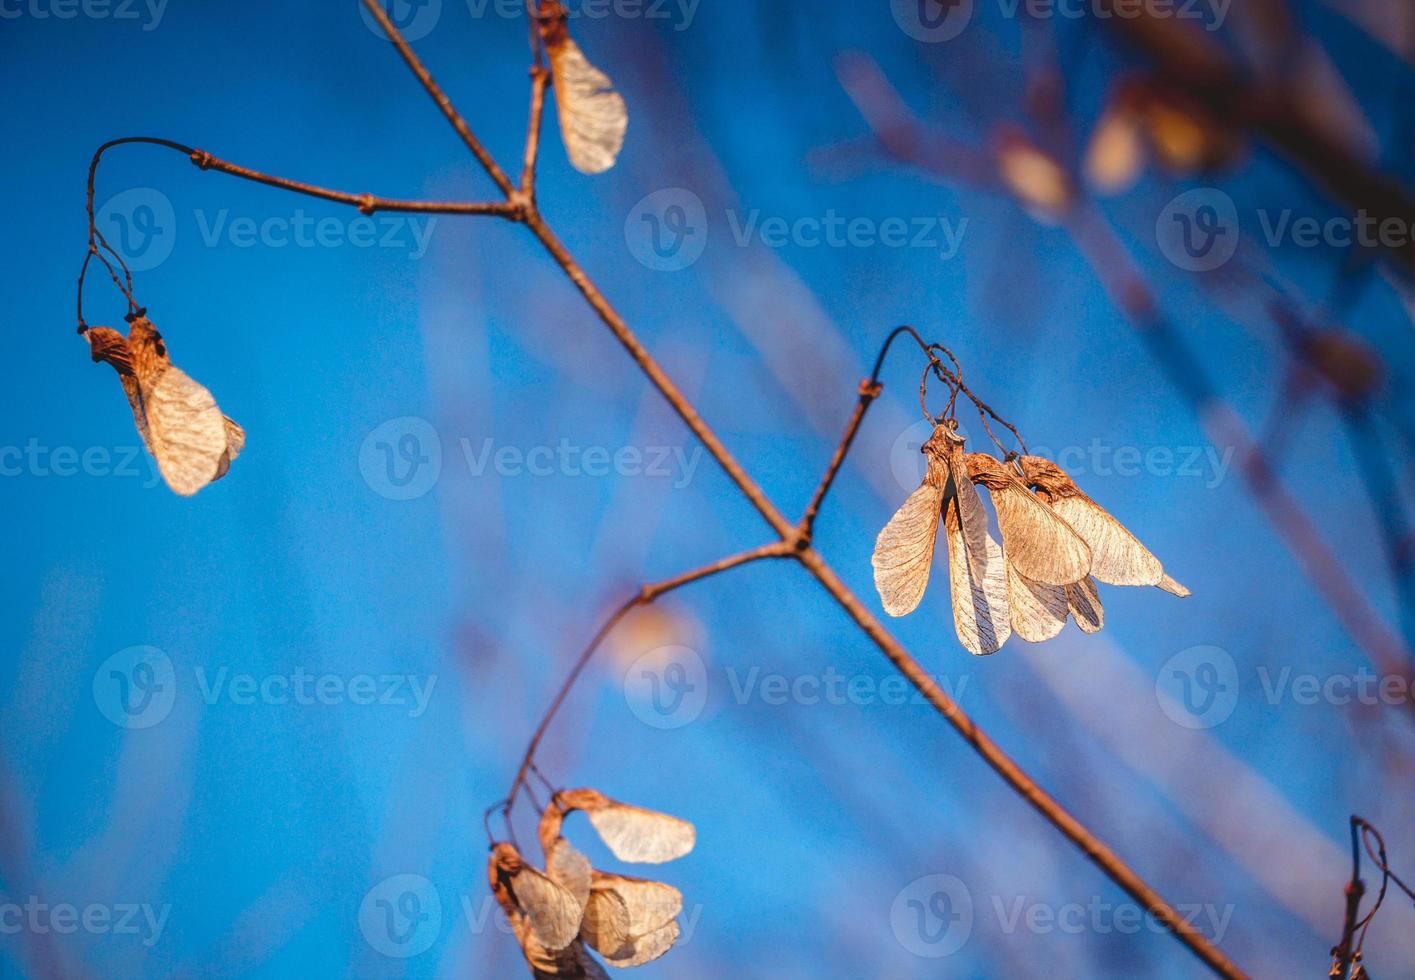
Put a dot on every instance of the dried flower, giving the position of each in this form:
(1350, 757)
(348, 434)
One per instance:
(193, 443)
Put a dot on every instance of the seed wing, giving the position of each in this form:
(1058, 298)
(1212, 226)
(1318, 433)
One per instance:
(1117, 556)
(1038, 611)
(904, 550)
(644, 949)
(978, 577)
(606, 923)
(185, 430)
(1174, 588)
(569, 869)
(651, 904)
(551, 910)
(593, 117)
(1044, 547)
(1084, 602)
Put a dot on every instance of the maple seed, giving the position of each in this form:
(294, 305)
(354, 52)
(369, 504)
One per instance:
(193, 443)
(593, 117)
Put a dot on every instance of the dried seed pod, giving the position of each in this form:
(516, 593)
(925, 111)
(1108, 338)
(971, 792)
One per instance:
(1042, 546)
(1115, 156)
(593, 117)
(193, 443)
(1037, 181)
(1084, 603)
(569, 869)
(904, 550)
(1037, 611)
(551, 911)
(1117, 556)
(632, 833)
(651, 904)
(645, 949)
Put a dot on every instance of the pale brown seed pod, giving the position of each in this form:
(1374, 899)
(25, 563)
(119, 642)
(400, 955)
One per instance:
(632, 833)
(183, 429)
(1042, 546)
(593, 117)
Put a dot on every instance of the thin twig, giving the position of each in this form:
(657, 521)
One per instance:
(643, 597)
(540, 77)
(444, 104)
(367, 203)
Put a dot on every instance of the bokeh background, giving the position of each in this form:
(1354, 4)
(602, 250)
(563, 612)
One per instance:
(189, 759)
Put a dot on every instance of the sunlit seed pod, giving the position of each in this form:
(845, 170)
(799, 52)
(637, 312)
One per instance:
(1187, 139)
(1038, 612)
(1117, 556)
(631, 833)
(178, 420)
(593, 117)
(552, 913)
(1115, 156)
(1038, 181)
(1041, 545)
(1084, 603)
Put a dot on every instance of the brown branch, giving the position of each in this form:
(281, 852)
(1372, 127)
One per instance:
(367, 203)
(643, 597)
(540, 77)
(869, 391)
(444, 104)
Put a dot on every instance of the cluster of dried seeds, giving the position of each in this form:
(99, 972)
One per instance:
(193, 443)
(1056, 544)
(559, 914)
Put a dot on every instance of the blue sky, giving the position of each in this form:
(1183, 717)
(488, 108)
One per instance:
(334, 656)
